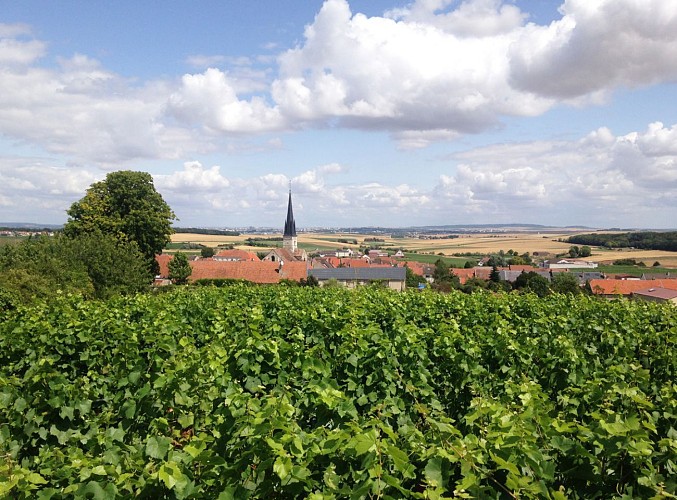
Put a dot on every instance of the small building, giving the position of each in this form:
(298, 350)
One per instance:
(569, 264)
(352, 277)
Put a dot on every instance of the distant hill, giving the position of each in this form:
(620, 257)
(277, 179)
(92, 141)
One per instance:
(30, 226)
(462, 228)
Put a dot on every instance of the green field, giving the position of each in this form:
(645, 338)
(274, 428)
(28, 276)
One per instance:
(294, 392)
(456, 262)
(635, 270)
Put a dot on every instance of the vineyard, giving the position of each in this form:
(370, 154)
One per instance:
(288, 392)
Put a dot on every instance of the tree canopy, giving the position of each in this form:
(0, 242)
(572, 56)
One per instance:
(95, 266)
(179, 269)
(126, 206)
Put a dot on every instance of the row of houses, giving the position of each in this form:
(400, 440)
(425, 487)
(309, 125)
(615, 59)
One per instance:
(277, 267)
(282, 264)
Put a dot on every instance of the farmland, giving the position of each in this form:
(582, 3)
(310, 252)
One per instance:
(480, 244)
(329, 393)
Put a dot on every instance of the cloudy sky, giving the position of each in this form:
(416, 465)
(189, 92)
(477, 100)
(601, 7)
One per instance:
(379, 112)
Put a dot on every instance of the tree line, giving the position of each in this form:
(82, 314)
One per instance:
(646, 240)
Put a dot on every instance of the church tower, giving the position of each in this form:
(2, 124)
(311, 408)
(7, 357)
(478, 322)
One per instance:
(289, 238)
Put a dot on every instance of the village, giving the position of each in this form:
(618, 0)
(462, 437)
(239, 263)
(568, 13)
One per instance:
(390, 268)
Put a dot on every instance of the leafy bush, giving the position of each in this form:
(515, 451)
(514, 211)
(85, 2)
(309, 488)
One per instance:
(284, 392)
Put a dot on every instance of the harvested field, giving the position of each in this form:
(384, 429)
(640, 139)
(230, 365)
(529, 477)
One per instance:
(475, 243)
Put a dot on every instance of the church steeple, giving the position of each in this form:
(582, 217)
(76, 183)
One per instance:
(289, 237)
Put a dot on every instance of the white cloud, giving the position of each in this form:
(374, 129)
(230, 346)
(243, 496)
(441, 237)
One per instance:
(601, 179)
(471, 18)
(34, 189)
(597, 46)
(407, 76)
(194, 177)
(204, 61)
(598, 177)
(427, 73)
(210, 99)
(14, 49)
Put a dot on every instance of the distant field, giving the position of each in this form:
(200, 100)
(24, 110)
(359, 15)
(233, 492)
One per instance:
(635, 270)
(431, 259)
(11, 240)
(481, 244)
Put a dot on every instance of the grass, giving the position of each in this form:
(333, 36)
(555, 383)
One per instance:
(635, 270)
(431, 259)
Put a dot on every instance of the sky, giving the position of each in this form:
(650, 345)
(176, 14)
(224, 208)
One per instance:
(379, 113)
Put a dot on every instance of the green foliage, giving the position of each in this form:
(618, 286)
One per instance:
(532, 282)
(94, 265)
(473, 285)
(494, 275)
(565, 283)
(289, 392)
(179, 269)
(444, 280)
(309, 281)
(647, 240)
(207, 252)
(625, 262)
(126, 206)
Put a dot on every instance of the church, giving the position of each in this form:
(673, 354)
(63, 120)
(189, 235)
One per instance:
(289, 251)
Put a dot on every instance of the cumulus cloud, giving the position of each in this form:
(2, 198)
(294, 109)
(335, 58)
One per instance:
(403, 75)
(82, 111)
(598, 178)
(597, 46)
(429, 72)
(437, 69)
(36, 189)
(210, 99)
(471, 18)
(195, 178)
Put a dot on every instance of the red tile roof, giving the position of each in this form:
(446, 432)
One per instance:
(163, 261)
(464, 274)
(256, 272)
(626, 287)
(354, 263)
(237, 254)
(520, 267)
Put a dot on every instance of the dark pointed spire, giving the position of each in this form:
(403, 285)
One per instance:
(290, 224)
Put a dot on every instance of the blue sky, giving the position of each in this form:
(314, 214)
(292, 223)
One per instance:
(380, 112)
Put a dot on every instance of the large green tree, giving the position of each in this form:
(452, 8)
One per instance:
(126, 206)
